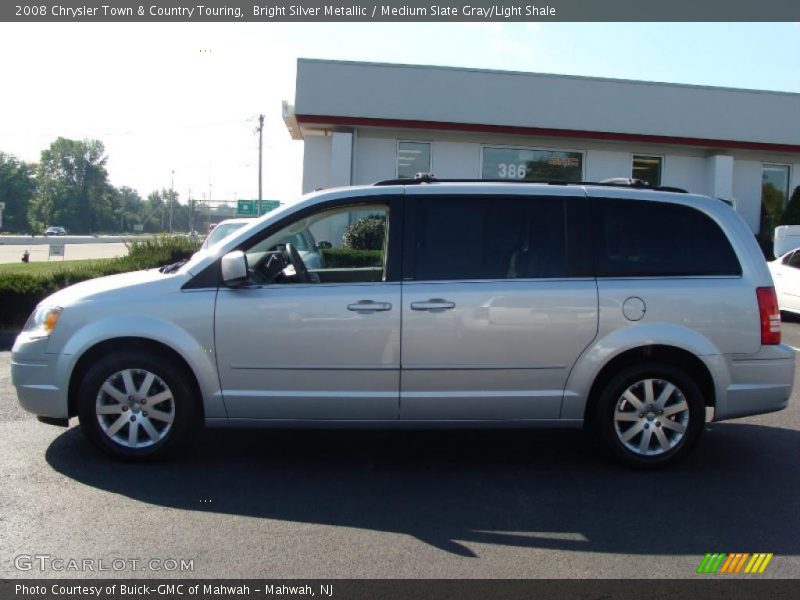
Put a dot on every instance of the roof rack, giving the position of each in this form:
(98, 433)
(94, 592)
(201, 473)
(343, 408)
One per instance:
(423, 178)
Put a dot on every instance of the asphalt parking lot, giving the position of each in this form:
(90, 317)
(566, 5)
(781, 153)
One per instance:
(430, 504)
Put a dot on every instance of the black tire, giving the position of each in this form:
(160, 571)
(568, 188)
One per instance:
(611, 405)
(168, 378)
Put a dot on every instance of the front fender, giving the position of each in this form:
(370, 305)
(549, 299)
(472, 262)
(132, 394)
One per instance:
(196, 350)
(604, 349)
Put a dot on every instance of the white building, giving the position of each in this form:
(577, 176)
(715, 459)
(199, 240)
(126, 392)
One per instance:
(364, 122)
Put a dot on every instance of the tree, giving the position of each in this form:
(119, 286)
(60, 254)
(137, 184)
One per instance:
(771, 207)
(17, 187)
(365, 233)
(791, 215)
(73, 187)
(153, 213)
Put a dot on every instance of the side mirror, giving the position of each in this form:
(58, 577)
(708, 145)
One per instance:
(234, 268)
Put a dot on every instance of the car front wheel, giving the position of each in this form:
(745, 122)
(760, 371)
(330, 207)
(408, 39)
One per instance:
(135, 406)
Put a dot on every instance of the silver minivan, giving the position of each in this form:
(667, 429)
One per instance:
(635, 313)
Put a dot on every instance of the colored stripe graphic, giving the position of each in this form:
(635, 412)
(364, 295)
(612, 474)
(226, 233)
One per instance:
(758, 564)
(711, 563)
(734, 563)
(741, 562)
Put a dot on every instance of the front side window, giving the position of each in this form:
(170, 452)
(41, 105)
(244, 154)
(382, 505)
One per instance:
(489, 238)
(526, 163)
(413, 158)
(774, 193)
(647, 168)
(640, 238)
(341, 245)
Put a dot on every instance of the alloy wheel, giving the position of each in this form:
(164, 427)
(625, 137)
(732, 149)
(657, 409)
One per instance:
(135, 408)
(651, 417)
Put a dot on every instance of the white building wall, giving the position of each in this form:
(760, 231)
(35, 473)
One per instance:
(316, 163)
(747, 191)
(375, 159)
(341, 168)
(687, 172)
(720, 176)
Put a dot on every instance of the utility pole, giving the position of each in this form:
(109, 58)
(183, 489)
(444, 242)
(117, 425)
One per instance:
(260, 146)
(171, 195)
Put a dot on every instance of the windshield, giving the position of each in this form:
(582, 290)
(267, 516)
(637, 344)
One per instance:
(222, 230)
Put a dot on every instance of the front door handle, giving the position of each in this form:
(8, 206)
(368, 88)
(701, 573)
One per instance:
(434, 304)
(368, 306)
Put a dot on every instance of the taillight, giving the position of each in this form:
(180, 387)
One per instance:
(770, 316)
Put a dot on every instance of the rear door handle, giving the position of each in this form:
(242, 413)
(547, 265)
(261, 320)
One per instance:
(368, 306)
(434, 304)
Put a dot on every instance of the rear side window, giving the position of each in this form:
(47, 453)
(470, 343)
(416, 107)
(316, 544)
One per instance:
(489, 238)
(644, 238)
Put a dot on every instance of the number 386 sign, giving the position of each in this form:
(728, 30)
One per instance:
(528, 163)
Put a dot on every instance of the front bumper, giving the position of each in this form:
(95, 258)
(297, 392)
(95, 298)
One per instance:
(759, 383)
(40, 390)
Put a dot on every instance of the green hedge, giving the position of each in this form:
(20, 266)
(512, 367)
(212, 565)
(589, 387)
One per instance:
(350, 258)
(21, 292)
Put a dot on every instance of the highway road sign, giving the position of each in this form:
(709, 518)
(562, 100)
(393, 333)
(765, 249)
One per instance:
(246, 208)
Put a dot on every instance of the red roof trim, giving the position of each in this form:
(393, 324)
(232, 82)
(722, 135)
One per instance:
(544, 132)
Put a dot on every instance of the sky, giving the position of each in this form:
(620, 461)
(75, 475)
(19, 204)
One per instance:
(178, 102)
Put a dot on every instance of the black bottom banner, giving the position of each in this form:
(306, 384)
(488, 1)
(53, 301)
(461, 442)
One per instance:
(389, 589)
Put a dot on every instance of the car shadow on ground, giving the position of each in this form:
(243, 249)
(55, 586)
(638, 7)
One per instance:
(788, 317)
(544, 489)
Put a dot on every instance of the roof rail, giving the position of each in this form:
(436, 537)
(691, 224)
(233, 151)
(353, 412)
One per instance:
(424, 178)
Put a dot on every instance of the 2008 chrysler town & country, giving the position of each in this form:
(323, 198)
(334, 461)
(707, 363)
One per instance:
(637, 313)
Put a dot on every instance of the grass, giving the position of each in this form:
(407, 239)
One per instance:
(46, 267)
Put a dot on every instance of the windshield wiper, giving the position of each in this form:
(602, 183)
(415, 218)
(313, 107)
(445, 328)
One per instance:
(173, 267)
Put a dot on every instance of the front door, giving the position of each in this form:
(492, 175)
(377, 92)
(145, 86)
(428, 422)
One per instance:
(320, 338)
(497, 312)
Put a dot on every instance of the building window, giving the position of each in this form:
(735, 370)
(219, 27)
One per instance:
(647, 168)
(413, 158)
(525, 163)
(774, 193)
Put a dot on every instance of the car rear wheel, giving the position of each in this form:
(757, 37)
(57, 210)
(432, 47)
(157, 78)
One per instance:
(650, 415)
(135, 406)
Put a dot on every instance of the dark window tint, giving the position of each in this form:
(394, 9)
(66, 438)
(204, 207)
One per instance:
(643, 238)
(489, 238)
(794, 260)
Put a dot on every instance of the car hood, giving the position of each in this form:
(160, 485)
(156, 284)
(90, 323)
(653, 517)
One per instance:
(119, 284)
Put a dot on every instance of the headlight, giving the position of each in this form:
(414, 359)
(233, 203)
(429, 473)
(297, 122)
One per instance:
(43, 320)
